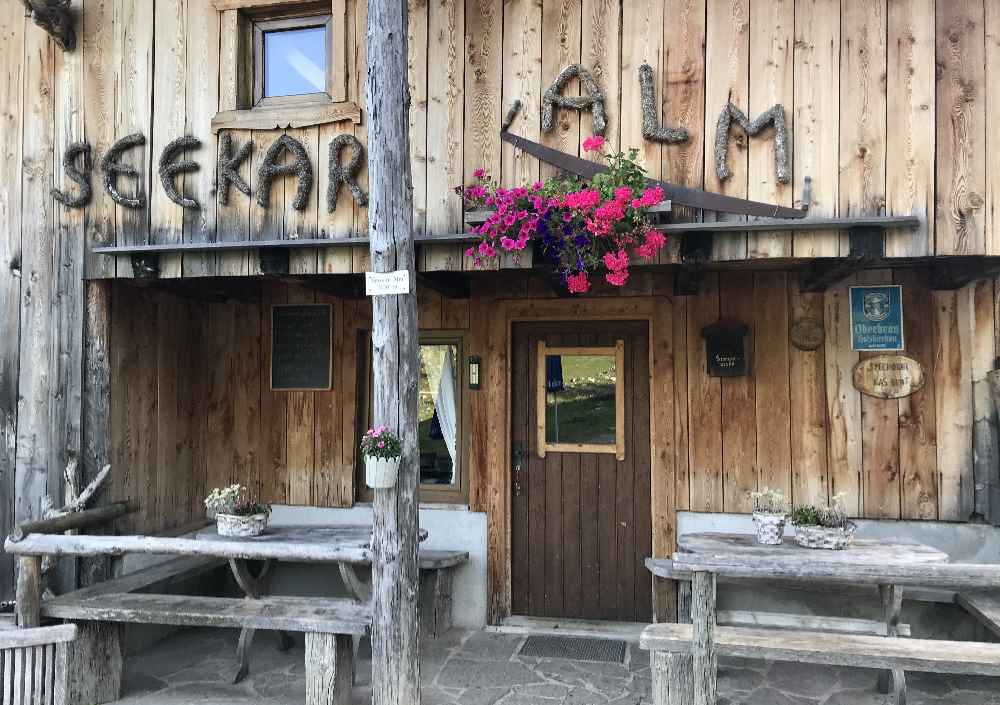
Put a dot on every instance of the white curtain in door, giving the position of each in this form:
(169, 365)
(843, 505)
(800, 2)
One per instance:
(444, 404)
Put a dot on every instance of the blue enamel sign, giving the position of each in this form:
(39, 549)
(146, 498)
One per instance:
(876, 318)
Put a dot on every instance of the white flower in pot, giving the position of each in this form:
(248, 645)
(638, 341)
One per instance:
(770, 509)
(382, 450)
(235, 513)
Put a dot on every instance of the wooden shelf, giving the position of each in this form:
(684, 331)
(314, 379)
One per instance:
(875, 222)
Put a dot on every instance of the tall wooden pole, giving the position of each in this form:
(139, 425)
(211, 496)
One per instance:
(395, 351)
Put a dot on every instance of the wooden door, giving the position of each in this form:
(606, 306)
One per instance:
(581, 525)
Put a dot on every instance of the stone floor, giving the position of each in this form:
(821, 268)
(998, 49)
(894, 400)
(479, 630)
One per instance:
(481, 668)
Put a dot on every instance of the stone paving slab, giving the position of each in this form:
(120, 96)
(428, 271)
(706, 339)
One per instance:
(483, 668)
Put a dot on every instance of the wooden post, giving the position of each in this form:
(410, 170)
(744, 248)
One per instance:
(395, 357)
(29, 591)
(893, 681)
(703, 639)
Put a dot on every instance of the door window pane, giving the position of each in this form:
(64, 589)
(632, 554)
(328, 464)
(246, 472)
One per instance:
(580, 399)
(295, 61)
(439, 413)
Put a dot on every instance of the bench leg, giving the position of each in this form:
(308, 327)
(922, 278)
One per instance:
(893, 681)
(704, 657)
(94, 665)
(672, 679)
(329, 667)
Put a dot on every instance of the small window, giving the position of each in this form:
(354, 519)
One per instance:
(295, 61)
(441, 417)
(581, 407)
(292, 60)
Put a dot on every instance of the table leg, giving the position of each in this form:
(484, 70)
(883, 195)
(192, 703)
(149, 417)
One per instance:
(361, 590)
(893, 681)
(253, 587)
(704, 657)
(684, 602)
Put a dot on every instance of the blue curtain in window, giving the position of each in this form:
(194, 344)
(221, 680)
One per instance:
(553, 373)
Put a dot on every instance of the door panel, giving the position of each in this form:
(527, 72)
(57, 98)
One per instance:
(581, 523)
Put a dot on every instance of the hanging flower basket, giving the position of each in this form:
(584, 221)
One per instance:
(382, 450)
(770, 528)
(381, 473)
(241, 525)
(824, 537)
(584, 229)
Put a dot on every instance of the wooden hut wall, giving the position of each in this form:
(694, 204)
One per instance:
(192, 408)
(845, 72)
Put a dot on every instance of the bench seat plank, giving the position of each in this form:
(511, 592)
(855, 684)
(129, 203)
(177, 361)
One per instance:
(782, 620)
(935, 656)
(983, 606)
(295, 614)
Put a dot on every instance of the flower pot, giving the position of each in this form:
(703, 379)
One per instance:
(770, 528)
(381, 473)
(241, 526)
(823, 537)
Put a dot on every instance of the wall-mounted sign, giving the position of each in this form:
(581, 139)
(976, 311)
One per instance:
(807, 333)
(876, 318)
(889, 376)
(387, 283)
(301, 347)
(725, 348)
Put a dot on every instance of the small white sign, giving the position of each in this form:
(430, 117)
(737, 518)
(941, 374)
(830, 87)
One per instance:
(387, 283)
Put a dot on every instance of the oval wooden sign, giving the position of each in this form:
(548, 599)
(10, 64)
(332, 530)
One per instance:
(889, 376)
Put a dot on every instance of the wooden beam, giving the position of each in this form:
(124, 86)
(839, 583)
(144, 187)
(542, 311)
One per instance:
(451, 285)
(395, 352)
(950, 274)
(867, 246)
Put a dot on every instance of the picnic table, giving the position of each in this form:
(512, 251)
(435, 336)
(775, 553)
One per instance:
(702, 557)
(349, 545)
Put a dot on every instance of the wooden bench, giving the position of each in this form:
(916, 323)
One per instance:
(984, 606)
(33, 665)
(673, 653)
(96, 663)
(689, 653)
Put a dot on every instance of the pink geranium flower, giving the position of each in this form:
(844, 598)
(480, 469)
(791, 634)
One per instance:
(593, 143)
(616, 261)
(617, 278)
(578, 283)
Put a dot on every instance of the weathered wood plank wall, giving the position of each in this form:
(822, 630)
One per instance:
(918, 61)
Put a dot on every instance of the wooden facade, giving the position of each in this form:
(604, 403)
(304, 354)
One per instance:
(887, 104)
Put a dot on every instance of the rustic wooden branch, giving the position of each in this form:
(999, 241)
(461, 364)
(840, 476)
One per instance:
(72, 521)
(54, 17)
(85, 545)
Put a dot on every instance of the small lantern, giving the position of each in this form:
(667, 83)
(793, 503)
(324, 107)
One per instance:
(474, 363)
